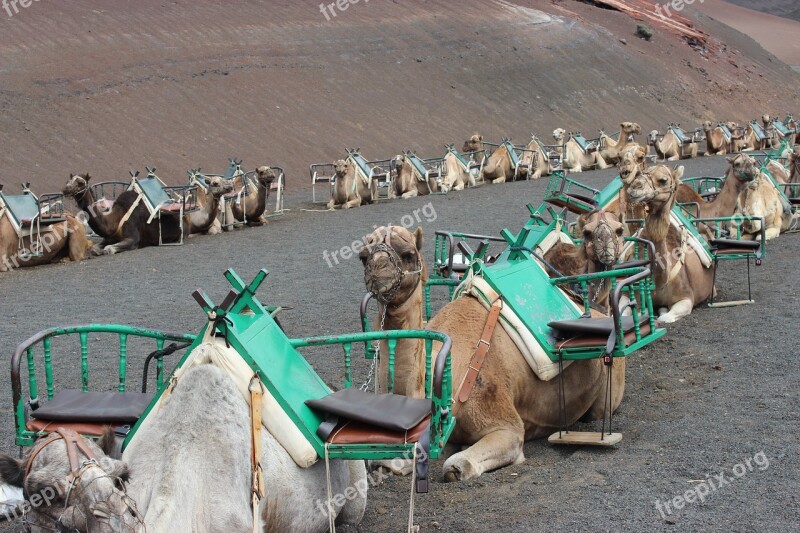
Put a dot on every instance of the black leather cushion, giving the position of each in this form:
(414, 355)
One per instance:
(389, 411)
(97, 407)
(590, 326)
(734, 243)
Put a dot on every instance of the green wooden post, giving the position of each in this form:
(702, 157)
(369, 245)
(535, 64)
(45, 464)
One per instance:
(392, 343)
(123, 360)
(48, 367)
(34, 389)
(159, 365)
(348, 372)
(428, 367)
(84, 336)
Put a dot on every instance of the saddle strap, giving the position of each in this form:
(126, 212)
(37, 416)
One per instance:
(256, 393)
(132, 208)
(475, 364)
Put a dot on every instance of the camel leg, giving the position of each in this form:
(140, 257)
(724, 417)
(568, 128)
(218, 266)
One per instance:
(216, 228)
(397, 466)
(496, 449)
(601, 162)
(413, 193)
(771, 233)
(501, 179)
(679, 309)
(352, 203)
(331, 204)
(353, 510)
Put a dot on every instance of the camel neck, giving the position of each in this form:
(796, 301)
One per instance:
(407, 315)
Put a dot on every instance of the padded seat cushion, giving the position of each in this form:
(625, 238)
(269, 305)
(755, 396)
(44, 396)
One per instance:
(350, 432)
(94, 407)
(591, 341)
(45, 426)
(723, 244)
(389, 411)
(590, 326)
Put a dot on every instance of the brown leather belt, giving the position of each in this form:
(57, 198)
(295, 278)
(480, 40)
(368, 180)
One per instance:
(478, 356)
(73, 441)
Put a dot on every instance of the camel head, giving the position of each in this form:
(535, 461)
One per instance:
(766, 119)
(707, 126)
(76, 185)
(655, 186)
(794, 161)
(631, 162)
(558, 135)
(473, 144)
(652, 137)
(340, 168)
(602, 236)
(397, 163)
(393, 263)
(265, 175)
(629, 129)
(90, 499)
(743, 167)
(218, 186)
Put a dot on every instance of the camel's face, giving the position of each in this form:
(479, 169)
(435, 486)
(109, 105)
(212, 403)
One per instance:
(218, 186)
(766, 119)
(652, 137)
(473, 144)
(630, 128)
(602, 236)
(744, 167)
(77, 184)
(707, 125)
(794, 160)
(392, 263)
(558, 135)
(655, 186)
(340, 167)
(96, 501)
(265, 176)
(630, 163)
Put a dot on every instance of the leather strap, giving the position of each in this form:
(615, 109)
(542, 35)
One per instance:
(72, 440)
(475, 364)
(256, 393)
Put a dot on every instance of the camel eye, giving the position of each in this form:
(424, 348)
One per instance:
(407, 256)
(587, 234)
(619, 232)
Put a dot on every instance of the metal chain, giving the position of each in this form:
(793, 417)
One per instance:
(376, 346)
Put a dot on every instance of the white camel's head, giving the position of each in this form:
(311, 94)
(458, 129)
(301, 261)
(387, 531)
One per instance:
(340, 167)
(558, 135)
(652, 137)
(655, 186)
(218, 186)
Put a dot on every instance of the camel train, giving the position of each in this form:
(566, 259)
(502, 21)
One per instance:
(652, 236)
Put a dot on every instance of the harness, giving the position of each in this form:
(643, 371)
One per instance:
(74, 443)
(399, 274)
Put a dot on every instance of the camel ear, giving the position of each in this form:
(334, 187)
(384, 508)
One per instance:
(418, 238)
(480, 138)
(1, 186)
(678, 174)
(207, 180)
(11, 470)
(71, 175)
(582, 221)
(731, 159)
(621, 217)
(107, 441)
(87, 177)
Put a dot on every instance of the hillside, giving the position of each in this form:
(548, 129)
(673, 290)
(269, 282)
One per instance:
(109, 86)
(780, 8)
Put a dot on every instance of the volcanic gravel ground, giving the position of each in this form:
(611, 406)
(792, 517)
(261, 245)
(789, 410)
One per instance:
(720, 388)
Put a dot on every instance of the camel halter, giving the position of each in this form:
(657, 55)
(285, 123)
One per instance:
(394, 259)
(74, 443)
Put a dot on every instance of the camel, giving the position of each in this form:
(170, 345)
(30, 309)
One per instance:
(602, 233)
(537, 156)
(473, 144)
(457, 175)
(576, 159)
(682, 281)
(670, 148)
(60, 241)
(191, 471)
(612, 150)
(249, 208)
(778, 171)
(750, 141)
(509, 404)
(762, 199)
(96, 502)
(406, 184)
(498, 168)
(205, 220)
(124, 225)
(794, 166)
(717, 142)
(349, 190)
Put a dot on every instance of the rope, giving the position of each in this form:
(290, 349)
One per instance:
(411, 527)
(331, 518)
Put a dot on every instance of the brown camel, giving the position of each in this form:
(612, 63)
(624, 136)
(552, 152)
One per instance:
(205, 220)
(612, 150)
(349, 190)
(717, 141)
(60, 241)
(249, 208)
(602, 235)
(794, 165)
(406, 183)
(761, 198)
(498, 168)
(670, 148)
(457, 171)
(536, 156)
(123, 226)
(682, 281)
(575, 158)
(751, 141)
(509, 404)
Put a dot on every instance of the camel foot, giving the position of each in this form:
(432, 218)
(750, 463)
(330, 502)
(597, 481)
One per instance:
(397, 466)
(459, 469)
(97, 250)
(678, 310)
(771, 233)
(254, 223)
(110, 250)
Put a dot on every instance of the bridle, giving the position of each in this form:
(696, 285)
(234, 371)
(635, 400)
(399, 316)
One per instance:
(75, 444)
(608, 232)
(399, 274)
(78, 193)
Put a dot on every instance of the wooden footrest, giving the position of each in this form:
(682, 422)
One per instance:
(585, 438)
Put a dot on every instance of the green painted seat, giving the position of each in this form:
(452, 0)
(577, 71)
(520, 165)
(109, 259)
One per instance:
(781, 127)
(418, 165)
(681, 135)
(512, 154)
(726, 132)
(758, 131)
(362, 165)
(153, 191)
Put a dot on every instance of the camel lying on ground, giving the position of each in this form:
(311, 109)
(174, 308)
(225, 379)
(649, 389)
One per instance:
(349, 190)
(249, 208)
(576, 159)
(124, 225)
(611, 150)
(717, 142)
(670, 148)
(509, 404)
(206, 219)
(406, 184)
(457, 176)
(682, 281)
(761, 198)
(60, 241)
